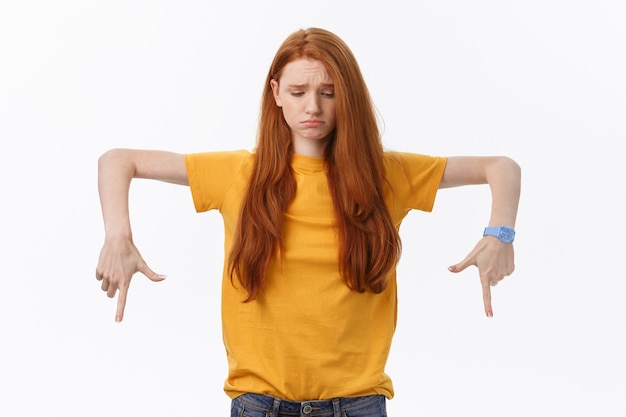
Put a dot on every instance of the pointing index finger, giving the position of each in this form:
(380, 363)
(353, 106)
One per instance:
(487, 298)
(121, 303)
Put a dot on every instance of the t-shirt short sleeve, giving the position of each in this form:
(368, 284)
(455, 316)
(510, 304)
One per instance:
(212, 174)
(413, 179)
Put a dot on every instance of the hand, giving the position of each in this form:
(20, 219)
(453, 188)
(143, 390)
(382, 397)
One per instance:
(494, 261)
(119, 261)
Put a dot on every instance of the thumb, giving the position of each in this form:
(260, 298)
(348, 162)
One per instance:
(458, 267)
(152, 276)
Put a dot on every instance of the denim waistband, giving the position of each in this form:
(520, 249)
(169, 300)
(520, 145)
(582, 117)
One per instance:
(312, 408)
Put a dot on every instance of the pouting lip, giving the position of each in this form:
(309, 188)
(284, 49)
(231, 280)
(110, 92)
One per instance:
(313, 122)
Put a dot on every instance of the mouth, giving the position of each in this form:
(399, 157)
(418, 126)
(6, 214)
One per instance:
(312, 123)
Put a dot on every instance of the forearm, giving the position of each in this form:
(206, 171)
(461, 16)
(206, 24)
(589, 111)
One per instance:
(504, 179)
(115, 172)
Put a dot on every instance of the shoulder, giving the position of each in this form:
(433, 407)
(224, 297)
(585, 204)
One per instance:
(223, 159)
(234, 155)
(395, 162)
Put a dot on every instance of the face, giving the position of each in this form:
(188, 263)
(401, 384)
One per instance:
(306, 94)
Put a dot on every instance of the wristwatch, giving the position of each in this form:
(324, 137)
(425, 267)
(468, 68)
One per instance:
(505, 233)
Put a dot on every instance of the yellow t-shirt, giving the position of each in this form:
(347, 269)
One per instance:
(307, 336)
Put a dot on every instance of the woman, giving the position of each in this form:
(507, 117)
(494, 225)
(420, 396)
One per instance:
(311, 234)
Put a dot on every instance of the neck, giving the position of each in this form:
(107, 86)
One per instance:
(312, 147)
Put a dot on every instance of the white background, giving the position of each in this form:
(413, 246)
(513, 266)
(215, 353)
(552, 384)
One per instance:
(539, 80)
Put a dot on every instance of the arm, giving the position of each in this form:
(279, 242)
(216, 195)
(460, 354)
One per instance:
(119, 258)
(494, 259)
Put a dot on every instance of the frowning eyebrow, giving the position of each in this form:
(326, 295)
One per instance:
(300, 86)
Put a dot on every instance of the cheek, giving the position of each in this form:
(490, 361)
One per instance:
(288, 114)
(331, 113)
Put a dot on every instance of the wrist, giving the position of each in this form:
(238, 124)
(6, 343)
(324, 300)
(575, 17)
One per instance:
(506, 234)
(117, 235)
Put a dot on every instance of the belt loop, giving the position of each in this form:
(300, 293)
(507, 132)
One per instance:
(336, 407)
(276, 407)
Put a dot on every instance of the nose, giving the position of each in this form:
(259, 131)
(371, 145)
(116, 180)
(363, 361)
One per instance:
(313, 104)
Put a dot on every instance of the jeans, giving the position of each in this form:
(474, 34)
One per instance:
(257, 405)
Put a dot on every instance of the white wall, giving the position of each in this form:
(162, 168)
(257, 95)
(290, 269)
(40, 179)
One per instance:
(540, 81)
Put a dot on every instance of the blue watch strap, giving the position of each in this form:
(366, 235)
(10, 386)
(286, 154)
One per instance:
(505, 233)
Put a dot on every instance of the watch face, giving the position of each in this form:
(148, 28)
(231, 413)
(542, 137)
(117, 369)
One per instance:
(506, 234)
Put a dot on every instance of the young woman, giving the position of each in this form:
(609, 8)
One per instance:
(311, 221)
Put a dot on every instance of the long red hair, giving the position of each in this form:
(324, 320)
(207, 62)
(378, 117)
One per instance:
(369, 244)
